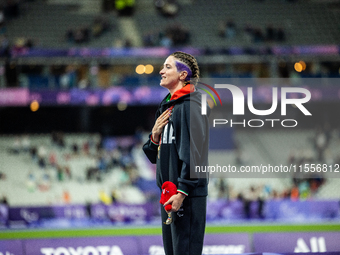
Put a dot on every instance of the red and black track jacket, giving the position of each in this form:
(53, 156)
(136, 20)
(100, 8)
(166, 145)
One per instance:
(184, 143)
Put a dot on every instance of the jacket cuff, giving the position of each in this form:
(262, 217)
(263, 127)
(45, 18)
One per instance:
(152, 141)
(184, 189)
(182, 192)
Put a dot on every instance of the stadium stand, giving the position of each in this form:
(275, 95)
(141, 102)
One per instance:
(42, 178)
(46, 23)
(39, 183)
(298, 20)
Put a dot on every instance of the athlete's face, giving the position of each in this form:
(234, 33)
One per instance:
(169, 73)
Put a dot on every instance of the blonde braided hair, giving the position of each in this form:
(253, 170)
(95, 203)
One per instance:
(191, 62)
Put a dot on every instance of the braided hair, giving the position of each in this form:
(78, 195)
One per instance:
(191, 63)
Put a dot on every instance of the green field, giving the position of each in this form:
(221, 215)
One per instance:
(133, 231)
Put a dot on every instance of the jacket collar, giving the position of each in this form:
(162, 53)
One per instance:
(183, 91)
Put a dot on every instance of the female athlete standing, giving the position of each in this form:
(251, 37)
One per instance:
(179, 142)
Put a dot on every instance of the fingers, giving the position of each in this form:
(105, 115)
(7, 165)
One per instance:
(175, 207)
(169, 201)
(175, 202)
(164, 116)
(166, 112)
(161, 121)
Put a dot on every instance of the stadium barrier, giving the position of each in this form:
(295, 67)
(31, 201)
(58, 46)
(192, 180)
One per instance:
(117, 214)
(240, 243)
(164, 51)
(219, 211)
(146, 95)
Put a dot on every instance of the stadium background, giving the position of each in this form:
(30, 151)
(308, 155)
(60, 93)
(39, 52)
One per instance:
(79, 87)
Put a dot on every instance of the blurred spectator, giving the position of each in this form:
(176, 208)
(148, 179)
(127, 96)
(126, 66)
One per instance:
(31, 182)
(168, 8)
(248, 33)
(321, 143)
(261, 202)
(258, 36)
(58, 139)
(75, 149)
(92, 173)
(100, 26)
(114, 196)
(122, 43)
(4, 201)
(4, 46)
(52, 159)
(66, 77)
(45, 183)
(304, 189)
(88, 207)
(22, 45)
(125, 7)
(151, 39)
(294, 193)
(42, 162)
(2, 176)
(166, 40)
(270, 33)
(228, 29)
(248, 196)
(179, 34)
(4, 211)
(101, 164)
(16, 147)
(223, 189)
(328, 132)
(241, 157)
(281, 35)
(116, 157)
(86, 147)
(42, 152)
(78, 35)
(173, 35)
(33, 152)
(68, 172)
(66, 197)
(69, 35)
(60, 174)
(127, 43)
(105, 198)
(81, 35)
(25, 143)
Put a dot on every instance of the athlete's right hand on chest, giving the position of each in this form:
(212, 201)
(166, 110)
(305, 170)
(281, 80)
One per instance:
(161, 121)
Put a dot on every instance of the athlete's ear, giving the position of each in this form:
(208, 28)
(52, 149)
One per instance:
(183, 75)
